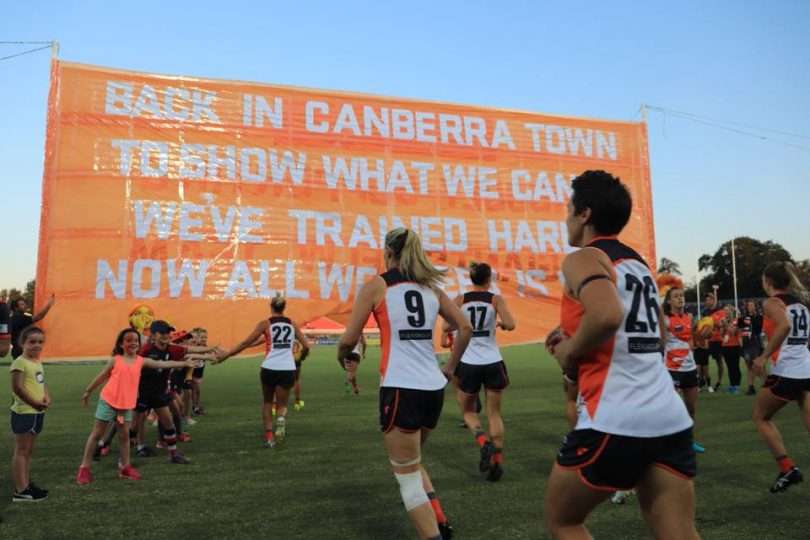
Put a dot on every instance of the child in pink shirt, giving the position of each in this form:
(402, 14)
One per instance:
(117, 400)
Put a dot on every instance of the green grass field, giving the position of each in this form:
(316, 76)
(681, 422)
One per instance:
(331, 478)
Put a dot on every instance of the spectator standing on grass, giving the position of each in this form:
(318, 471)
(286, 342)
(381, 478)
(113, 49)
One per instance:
(731, 350)
(20, 320)
(750, 325)
(117, 399)
(406, 301)
(5, 328)
(715, 345)
(154, 391)
(30, 400)
(677, 340)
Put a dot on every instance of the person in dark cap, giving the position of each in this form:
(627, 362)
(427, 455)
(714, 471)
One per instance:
(154, 391)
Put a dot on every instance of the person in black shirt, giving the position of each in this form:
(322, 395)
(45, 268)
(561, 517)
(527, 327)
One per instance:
(154, 391)
(20, 320)
(750, 325)
(5, 330)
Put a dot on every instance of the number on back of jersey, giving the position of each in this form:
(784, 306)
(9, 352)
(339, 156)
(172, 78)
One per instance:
(415, 305)
(643, 315)
(281, 336)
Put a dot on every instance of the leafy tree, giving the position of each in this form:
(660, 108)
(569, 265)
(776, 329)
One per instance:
(30, 289)
(10, 294)
(669, 266)
(751, 257)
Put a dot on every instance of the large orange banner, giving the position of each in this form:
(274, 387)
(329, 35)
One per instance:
(200, 199)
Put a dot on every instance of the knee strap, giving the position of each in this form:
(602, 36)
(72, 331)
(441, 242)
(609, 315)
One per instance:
(406, 463)
(411, 489)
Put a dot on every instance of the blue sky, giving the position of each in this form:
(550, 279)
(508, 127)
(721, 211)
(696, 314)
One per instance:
(742, 61)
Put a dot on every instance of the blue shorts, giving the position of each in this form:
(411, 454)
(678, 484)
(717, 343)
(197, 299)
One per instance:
(27, 423)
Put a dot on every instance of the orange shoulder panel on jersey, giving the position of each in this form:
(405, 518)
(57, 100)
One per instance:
(383, 322)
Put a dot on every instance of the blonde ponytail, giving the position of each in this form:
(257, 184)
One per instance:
(413, 261)
(278, 303)
(796, 287)
(783, 275)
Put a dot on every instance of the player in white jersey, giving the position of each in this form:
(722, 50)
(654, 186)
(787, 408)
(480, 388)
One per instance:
(633, 429)
(406, 301)
(482, 365)
(677, 341)
(787, 327)
(278, 367)
(352, 363)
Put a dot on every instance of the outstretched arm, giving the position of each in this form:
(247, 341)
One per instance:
(260, 329)
(44, 311)
(100, 378)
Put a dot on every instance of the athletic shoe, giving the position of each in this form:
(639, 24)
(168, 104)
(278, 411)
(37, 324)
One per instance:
(199, 411)
(785, 480)
(710, 389)
(619, 497)
(299, 405)
(495, 472)
(190, 421)
(717, 387)
(179, 458)
(355, 388)
(97, 453)
(84, 476)
(269, 443)
(281, 429)
(751, 391)
(105, 450)
(160, 445)
(697, 448)
(129, 473)
(184, 437)
(347, 387)
(733, 390)
(486, 454)
(446, 530)
(28, 495)
(31, 485)
(146, 451)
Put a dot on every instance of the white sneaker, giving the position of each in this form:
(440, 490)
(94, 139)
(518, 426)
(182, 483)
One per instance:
(619, 497)
(281, 429)
(190, 421)
(710, 389)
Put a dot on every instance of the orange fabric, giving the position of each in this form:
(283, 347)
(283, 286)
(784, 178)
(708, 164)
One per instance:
(204, 197)
(785, 464)
(680, 326)
(593, 366)
(381, 316)
(717, 317)
(768, 327)
(121, 390)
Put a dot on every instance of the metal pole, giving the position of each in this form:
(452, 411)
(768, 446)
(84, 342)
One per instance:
(734, 271)
(54, 49)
